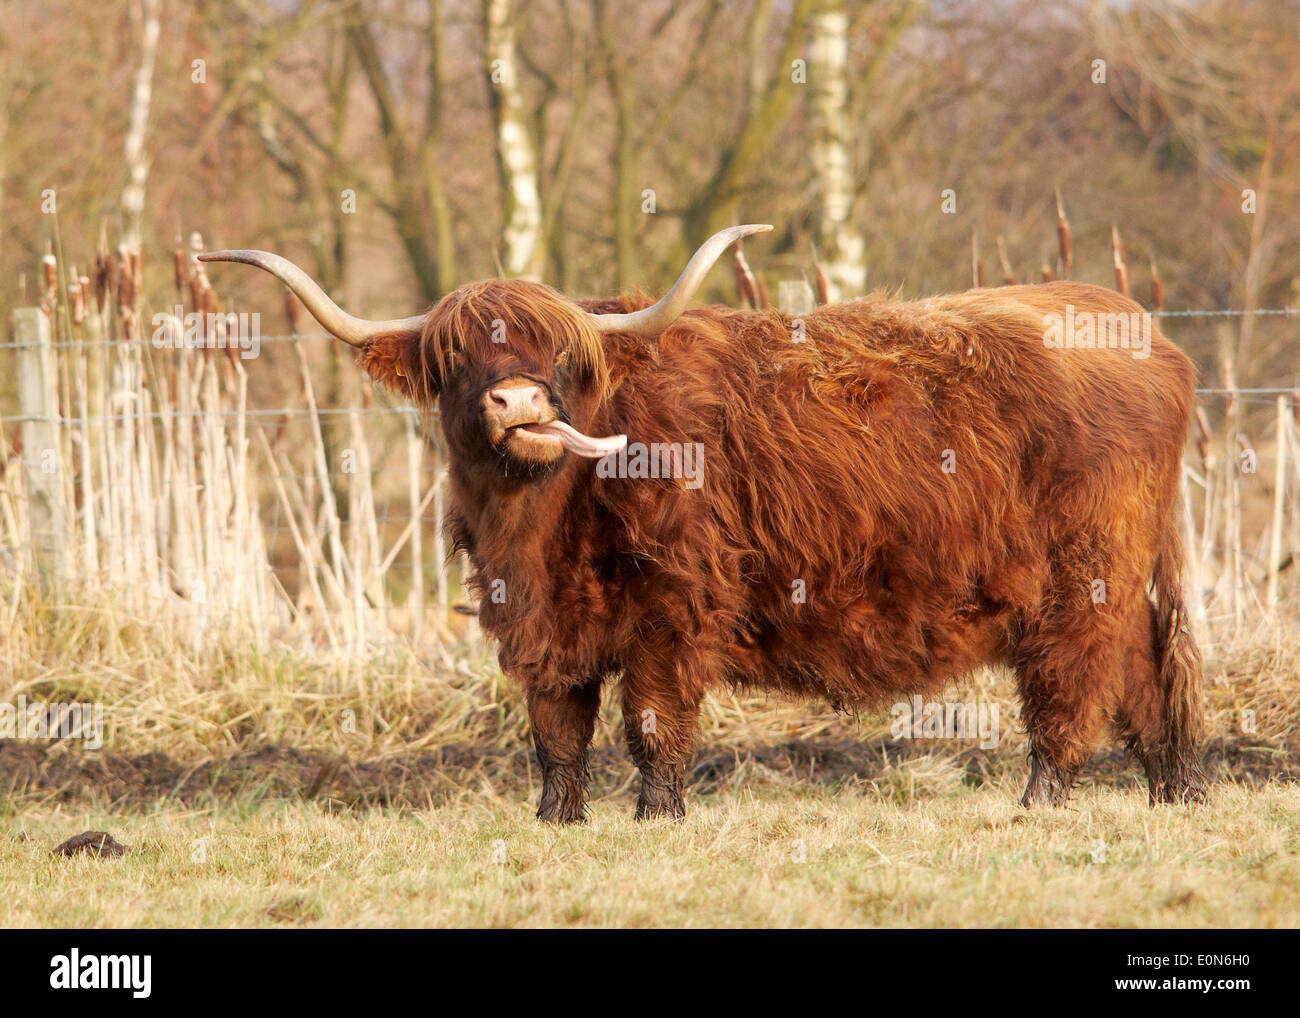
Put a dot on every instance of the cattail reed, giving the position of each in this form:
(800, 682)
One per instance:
(1008, 277)
(1121, 260)
(1063, 236)
(745, 284)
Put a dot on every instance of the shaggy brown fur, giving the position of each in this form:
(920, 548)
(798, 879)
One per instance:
(825, 459)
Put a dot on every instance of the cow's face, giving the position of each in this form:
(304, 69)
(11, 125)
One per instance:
(518, 371)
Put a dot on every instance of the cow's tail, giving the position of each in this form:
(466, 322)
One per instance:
(1176, 775)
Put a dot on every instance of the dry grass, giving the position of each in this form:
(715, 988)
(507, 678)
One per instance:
(228, 770)
(163, 694)
(772, 854)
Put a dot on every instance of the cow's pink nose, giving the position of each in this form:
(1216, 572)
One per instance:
(519, 399)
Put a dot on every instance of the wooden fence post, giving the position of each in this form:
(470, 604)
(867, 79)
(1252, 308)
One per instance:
(38, 399)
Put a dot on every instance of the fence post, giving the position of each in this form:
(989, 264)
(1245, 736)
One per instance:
(38, 400)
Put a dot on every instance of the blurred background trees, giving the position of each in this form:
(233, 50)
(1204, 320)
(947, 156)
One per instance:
(397, 148)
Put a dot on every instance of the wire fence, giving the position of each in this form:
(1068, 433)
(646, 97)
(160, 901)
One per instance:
(169, 487)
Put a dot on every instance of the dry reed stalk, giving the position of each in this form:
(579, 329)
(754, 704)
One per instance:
(746, 290)
(1279, 503)
(1120, 257)
(146, 474)
(1193, 560)
(440, 562)
(1232, 483)
(413, 524)
(358, 566)
(1157, 288)
(312, 525)
(1293, 443)
(1008, 277)
(85, 440)
(332, 527)
(414, 449)
(1063, 236)
(305, 553)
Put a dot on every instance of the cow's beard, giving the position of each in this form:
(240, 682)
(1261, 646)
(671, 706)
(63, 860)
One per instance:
(525, 468)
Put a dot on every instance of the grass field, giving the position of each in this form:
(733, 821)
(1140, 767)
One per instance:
(248, 799)
(776, 852)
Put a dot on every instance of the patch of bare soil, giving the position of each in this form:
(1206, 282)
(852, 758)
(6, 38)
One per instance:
(60, 773)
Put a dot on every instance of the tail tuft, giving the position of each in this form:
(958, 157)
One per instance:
(1180, 777)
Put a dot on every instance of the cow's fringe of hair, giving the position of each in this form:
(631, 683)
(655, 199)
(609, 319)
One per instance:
(474, 321)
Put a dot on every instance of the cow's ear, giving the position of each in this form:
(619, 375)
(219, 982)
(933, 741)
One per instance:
(392, 361)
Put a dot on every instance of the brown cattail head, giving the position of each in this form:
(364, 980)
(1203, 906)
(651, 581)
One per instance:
(1063, 236)
(742, 284)
(125, 279)
(1008, 277)
(823, 287)
(137, 274)
(178, 267)
(103, 282)
(198, 275)
(745, 284)
(1045, 271)
(1157, 287)
(976, 264)
(103, 271)
(1121, 261)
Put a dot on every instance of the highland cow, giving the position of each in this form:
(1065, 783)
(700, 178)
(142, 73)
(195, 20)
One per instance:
(891, 494)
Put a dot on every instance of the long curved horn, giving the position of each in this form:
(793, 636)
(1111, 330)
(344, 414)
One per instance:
(352, 330)
(658, 316)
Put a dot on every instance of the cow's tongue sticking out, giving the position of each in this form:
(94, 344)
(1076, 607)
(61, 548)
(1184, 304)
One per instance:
(576, 442)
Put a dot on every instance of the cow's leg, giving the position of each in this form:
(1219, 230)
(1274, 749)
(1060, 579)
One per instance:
(1067, 672)
(562, 721)
(1154, 728)
(660, 711)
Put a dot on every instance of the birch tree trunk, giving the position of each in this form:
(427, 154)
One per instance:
(137, 161)
(839, 245)
(522, 250)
